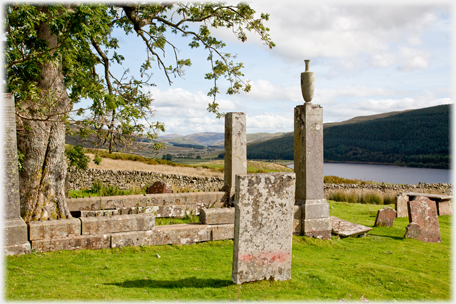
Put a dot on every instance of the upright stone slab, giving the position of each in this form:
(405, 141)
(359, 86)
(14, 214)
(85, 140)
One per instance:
(423, 212)
(15, 241)
(385, 217)
(308, 166)
(401, 205)
(263, 227)
(235, 150)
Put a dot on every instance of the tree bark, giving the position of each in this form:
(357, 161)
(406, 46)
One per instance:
(42, 180)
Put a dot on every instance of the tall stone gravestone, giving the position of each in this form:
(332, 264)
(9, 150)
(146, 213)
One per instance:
(235, 150)
(15, 241)
(308, 163)
(263, 227)
(423, 220)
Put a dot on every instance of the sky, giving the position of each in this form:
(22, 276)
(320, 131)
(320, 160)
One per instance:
(367, 59)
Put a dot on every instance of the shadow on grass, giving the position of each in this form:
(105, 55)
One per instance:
(191, 282)
(387, 236)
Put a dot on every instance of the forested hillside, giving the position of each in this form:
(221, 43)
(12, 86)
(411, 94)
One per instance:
(418, 138)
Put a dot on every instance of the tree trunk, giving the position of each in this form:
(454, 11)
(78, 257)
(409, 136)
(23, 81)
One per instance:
(42, 180)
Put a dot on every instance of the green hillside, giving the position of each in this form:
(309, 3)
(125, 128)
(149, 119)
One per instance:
(417, 138)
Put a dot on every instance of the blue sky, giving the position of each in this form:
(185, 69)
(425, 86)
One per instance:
(367, 59)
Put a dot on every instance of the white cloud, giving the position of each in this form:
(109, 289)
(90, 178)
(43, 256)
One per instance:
(412, 59)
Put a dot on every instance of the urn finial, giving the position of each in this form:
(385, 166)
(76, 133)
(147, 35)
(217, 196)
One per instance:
(307, 83)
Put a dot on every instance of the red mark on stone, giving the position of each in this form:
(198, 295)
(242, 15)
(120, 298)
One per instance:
(266, 258)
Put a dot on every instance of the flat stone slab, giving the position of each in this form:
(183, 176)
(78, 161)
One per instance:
(423, 212)
(222, 232)
(385, 217)
(51, 229)
(214, 216)
(73, 243)
(345, 228)
(181, 234)
(263, 227)
(434, 197)
(118, 223)
(134, 238)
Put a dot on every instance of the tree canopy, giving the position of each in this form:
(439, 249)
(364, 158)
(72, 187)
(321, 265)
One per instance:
(60, 54)
(87, 46)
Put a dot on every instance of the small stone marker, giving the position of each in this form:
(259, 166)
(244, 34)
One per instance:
(401, 205)
(423, 212)
(412, 231)
(385, 217)
(444, 207)
(263, 227)
(345, 228)
(159, 187)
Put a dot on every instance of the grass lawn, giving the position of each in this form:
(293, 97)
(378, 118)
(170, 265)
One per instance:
(382, 266)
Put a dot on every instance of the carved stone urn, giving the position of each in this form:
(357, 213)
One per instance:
(307, 83)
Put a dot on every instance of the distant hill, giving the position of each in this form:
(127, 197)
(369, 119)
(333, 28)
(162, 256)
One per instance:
(213, 138)
(417, 138)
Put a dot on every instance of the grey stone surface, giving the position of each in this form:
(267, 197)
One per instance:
(73, 243)
(235, 150)
(308, 152)
(15, 229)
(345, 228)
(199, 199)
(263, 227)
(181, 234)
(61, 228)
(222, 232)
(444, 207)
(118, 223)
(214, 216)
(308, 166)
(133, 238)
(401, 205)
(385, 217)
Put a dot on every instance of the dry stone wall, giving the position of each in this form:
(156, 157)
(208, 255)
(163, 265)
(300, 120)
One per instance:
(79, 179)
(83, 179)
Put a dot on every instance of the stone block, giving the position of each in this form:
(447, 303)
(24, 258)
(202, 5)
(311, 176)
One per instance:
(133, 238)
(263, 227)
(73, 243)
(95, 213)
(317, 228)
(235, 149)
(119, 223)
(86, 203)
(423, 212)
(385, 217)
(315, 209)
(345, 228)
(159, 187)
(214, 216)
(181, 234)
(39, 230)
(401, 205)
(308, 151)
(444, 208)
(222, 232)
(15, 238)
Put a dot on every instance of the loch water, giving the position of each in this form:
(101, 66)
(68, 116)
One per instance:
(388, 174)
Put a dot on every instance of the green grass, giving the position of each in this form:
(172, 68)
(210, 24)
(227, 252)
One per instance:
(382, 266)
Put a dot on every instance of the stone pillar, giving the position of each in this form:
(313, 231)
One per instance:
(263, 227)
(235, 150)
(308, 166)
(16, 241)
